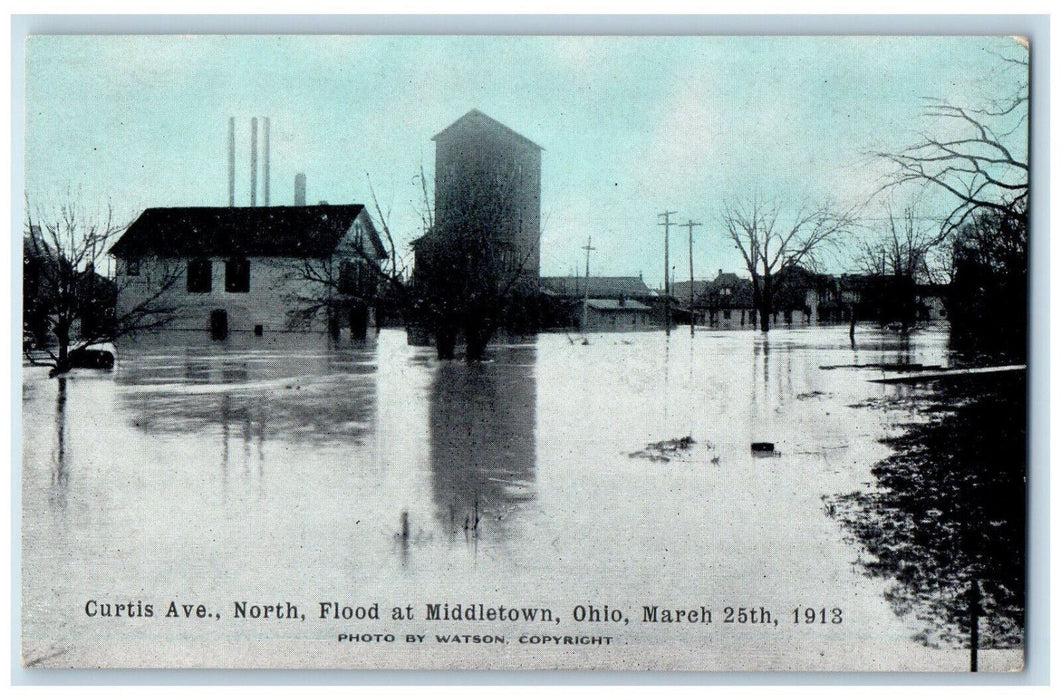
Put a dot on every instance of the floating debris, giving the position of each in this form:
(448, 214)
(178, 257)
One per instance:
(887, 366)
(664, 450)
(810, 395)
(949, 374)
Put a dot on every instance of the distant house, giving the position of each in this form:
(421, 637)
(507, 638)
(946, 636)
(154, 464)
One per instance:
(800, 298)
(598, 287)
(680, 291)
(618, 315)
(615, 303)
(803, 297)
(726, 302)
(893, 300)
(252, 269)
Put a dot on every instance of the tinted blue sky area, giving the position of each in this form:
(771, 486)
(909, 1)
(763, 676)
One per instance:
(630, 126)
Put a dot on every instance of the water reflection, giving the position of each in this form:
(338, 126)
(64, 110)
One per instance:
(760, 369)
(946, 519)
(482, 419)
(60, 475)
(254, 397)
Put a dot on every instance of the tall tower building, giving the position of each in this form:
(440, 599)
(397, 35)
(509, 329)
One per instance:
(488, 181)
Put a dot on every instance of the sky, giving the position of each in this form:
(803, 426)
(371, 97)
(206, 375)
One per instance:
(630, 126)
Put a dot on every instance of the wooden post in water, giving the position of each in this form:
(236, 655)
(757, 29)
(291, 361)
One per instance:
(974, 624)
(851, 329)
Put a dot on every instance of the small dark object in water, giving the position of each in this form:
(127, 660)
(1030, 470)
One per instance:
(659, 451)
(85, 358)
(762, 447)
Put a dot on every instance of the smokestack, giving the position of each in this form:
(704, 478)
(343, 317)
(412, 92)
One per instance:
(300, 190)
(232, 161)
(254, 161)
(265, 170)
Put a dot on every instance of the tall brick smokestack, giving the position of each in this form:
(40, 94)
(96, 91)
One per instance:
(300, 190)
(254, 161)
(232, 161)
(265, 169)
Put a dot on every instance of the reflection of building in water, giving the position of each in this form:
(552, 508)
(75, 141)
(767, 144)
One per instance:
(482, 422)
(248, 399)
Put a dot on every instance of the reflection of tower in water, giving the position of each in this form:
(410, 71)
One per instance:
(482, 421)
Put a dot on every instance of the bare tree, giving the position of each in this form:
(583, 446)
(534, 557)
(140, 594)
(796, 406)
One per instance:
(772, 244)
(472, 268)
(468, 281)
(68, 305)
(981, 160)
(355, 278)
(897, 260)
(978, 157)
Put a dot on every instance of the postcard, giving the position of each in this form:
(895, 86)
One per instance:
(697, 353)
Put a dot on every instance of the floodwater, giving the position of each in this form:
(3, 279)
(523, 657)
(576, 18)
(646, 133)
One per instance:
(291, 469)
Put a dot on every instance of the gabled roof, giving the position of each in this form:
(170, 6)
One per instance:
(727, 279)
(476, 120)
(680, 290)
(304, 232)
(633, 287)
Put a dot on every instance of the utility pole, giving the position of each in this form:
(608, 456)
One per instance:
(585, 302)
(692, 316)
(254, 161)
(666, 224)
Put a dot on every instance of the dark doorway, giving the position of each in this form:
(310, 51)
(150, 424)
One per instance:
(358, 322)
(218, 324)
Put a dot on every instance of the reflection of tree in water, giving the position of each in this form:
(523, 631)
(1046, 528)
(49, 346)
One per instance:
(949, 512)
(60, 473)
(482, 419)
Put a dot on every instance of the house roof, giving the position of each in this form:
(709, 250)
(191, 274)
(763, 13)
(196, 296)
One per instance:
(712, 296)
(680, 290)
(598, 286)
(617, 305)
(309, 232)
(727, 279)
(476, 120)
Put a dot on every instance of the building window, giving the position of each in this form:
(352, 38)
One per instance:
(237, 275)
(199, 273)
(349, 277)
(132, 268)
